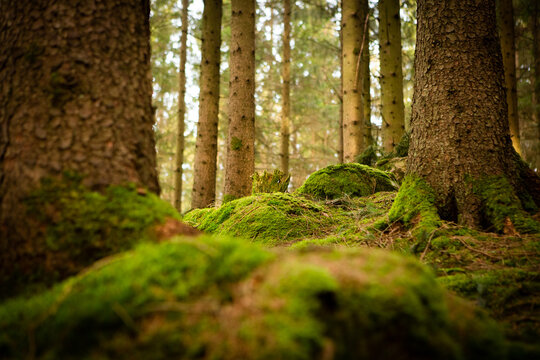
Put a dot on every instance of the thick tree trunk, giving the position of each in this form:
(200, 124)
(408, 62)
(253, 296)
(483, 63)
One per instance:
(179, 160)
(285, 94)
(508, 47)
(459, 126)
(352, 25)
(392, 108)
(76, 96)
(241, 137)
(204, 172)
(366, 77)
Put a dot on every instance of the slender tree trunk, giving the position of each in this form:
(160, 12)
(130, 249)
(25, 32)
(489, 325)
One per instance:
(393, 112)
(366, 77)
(536, 66)
(181, 110)
(76, 96)
(204, 171)
(508, 47)
(459, 106)
(352, 26)
(241, 138)
(340, 140)
(285, 94)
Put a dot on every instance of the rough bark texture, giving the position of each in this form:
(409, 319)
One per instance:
(285, 91)
(204, 172)
(352, 26)
(241, 137)
(366, 77)
(181, 110)
(536, 66)
(75, 91)
(392, 111)
(508, 48)
(459, 126)
(340, 95)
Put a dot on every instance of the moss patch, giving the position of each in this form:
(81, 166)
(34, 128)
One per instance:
(502, 207)
(353, 180)
(267, 182)
(78, 226)
(226, 299)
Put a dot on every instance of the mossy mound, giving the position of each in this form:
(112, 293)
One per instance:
(274, 218)
(226, 299)
(354, 180)
(76, 226)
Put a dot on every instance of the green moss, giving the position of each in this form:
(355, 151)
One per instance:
(510, 295)
(368, 156)
(267, 182)
(352, 180)
(274, 218)
(195, 216)
(78, 226)
(229, 197)
(501, 203)
(226, 299)
(415, 207)
(236, 143)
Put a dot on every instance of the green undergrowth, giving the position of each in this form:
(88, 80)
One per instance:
(352, 180)
(226, 299)
(77, 225)
(502, 204)
(283, 219)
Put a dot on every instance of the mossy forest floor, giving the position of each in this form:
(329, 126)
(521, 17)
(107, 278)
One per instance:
(293, 276)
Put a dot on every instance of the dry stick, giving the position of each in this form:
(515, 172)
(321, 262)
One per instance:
(361, 51)
(476, 250)
(427, 246)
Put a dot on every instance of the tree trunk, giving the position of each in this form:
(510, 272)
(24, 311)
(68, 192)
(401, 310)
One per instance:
(76, 97)
(181, 110)
(352, 25)
(285, 95)
(508, 47)
(241, 137)
(536, 66)
(366, 77)
(204, 171)
(459, 106)
(340, 95)
(393, 112)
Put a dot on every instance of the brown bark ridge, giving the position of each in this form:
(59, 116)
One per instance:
(505, 16)
(76, 90)
(459, 125)
(204, 171)
(366, 77)
(536, 65)
(179, 160)
(352, 25)
(286, 88)
(240, 163)
(391, 78)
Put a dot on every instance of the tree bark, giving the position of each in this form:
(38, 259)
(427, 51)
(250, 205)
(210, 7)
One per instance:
(508, 48)
(181, 110)
(366, 77)
(76, 96)
(352, 25)
(392, 111)
(204, 171)
(285, 94)
(536, 66)
(241, 137)
(459, 105)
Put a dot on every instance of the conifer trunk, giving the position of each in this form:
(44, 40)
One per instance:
(76, 96)
(352, 25)
(179, 160)
(241, 137)
(536, 66)
(366, 77)
(392, 111)
(459, 106)
(285, 95)
(508, 48)
(204, 170)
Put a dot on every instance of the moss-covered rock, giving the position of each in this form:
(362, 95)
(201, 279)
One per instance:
(267, 182)
(274, 218)
(352, 180)
(76, 226)
(226, 299)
